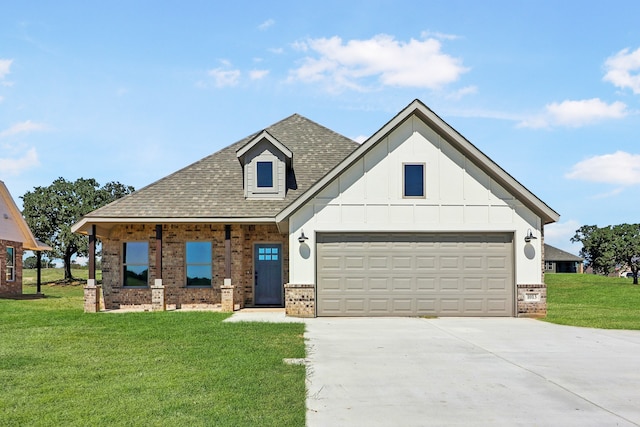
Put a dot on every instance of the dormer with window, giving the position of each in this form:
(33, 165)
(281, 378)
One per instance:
(265, 162)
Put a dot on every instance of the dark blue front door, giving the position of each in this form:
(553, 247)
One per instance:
(268, 273)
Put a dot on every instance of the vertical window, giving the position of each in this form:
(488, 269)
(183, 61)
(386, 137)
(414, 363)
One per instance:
(198, 263)
(135, 257)
(413, 180)
(264, 172)
(11, 264)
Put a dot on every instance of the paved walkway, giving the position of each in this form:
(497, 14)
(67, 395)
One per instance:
(466, 372)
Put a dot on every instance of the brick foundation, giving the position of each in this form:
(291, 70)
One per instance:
(532, 300)
(300, 300)
(174, 238)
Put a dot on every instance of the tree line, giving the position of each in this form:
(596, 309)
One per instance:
(605, 248)
(51, 211)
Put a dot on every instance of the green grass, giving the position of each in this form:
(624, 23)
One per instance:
(52, 275)
(60, 366)
(592, 301)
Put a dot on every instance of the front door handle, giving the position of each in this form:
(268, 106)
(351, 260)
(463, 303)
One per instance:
(255, 278)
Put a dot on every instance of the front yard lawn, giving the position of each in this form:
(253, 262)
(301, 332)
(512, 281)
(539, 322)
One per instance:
(592, 301)
(60, 366)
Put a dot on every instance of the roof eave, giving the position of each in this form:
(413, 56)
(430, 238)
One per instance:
(83, 226)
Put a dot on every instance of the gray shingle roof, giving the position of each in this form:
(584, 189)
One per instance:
(213, 187)
(551, 253)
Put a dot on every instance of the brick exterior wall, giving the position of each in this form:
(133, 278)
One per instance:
(10, 287)
(174, 238)
(532, 300)
(300, 300)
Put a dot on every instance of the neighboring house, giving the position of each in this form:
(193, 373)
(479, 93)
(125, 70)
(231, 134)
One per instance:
(414, 221)
(15, 237)
(558, 261)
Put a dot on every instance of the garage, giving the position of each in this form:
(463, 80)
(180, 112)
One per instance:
(414, 274)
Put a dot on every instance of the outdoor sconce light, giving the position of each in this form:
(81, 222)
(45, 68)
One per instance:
(302, 237)
(529, 236)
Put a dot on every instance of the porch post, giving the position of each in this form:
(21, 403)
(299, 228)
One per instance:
(92, 291)
(38, 272)
(92, 253)
(227, 289)
(158, 297)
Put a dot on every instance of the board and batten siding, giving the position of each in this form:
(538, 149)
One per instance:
(460, 197)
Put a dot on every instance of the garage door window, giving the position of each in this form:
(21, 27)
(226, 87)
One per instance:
(413, 180)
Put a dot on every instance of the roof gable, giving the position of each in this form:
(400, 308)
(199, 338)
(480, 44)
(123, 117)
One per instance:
(420, 110)
(262, 136)
(13, 225)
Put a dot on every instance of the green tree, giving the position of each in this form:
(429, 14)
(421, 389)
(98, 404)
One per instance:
(597, 247)
(51, 211)
(626, 247)
(30, 262)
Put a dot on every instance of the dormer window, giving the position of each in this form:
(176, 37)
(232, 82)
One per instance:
(264, 174)
(265, 164)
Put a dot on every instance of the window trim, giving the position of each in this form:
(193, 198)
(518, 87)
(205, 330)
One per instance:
(404, 180)
(125, 264)
(187, 264)
(274, 176)
(11, 277)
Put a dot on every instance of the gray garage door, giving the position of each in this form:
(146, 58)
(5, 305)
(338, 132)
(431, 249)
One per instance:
(445, 274)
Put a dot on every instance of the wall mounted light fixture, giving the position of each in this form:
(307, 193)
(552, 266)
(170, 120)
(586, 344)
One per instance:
(529, 236)
(302, 237)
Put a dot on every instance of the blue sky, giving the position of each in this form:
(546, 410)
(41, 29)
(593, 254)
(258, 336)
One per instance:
(131, 91)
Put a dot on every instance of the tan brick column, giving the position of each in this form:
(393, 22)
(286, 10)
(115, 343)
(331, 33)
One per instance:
(227, 296)
(92, 297)
(158, 300)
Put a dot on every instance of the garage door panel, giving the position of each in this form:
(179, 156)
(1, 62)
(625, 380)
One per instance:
(426, 284)
(440, 274)
(378, 262)
(400, 284)
(401, 262)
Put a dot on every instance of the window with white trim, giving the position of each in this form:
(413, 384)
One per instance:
(11, 264)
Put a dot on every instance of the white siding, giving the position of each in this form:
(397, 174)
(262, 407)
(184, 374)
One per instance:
(9, 228)
(459, 197)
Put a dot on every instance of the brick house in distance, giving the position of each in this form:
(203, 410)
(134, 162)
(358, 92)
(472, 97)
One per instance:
(15, 238)
(414, 221)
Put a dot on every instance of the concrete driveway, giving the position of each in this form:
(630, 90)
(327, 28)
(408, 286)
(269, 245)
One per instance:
(470, 371)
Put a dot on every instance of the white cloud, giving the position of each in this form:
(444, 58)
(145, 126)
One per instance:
(619, 168)
(576, 113)
(460, 93)
(224, 78)
(258, 74)
(5, 67)
(620, 70)
(439, 35)
(348, 65)
(19, 165)
(360, 139)
(559, 234)
(23, 127)
(266, 24)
